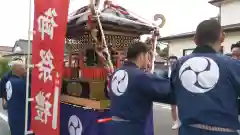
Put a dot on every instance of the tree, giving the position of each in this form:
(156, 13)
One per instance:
(4, 66)
(162, 51)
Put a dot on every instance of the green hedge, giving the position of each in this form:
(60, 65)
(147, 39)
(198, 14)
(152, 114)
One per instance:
(4, 67)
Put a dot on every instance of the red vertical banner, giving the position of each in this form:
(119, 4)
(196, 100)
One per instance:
(50, 20)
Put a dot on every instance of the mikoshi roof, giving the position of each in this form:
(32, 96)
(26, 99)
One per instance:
(112, 18)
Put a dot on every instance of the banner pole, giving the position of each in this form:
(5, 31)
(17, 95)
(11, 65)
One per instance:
(28, 64)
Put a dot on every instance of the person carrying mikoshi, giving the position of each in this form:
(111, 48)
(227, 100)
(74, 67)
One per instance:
(235, 49)
(16, 99)
(206, 86)
(132, 92)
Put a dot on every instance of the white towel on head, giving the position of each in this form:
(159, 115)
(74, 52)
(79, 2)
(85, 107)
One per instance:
(16, 62)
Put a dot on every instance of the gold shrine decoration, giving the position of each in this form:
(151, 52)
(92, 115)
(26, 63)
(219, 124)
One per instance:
(156, 35)
(160, 17)
(118, 42)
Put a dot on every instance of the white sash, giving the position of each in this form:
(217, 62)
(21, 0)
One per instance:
(169, 72)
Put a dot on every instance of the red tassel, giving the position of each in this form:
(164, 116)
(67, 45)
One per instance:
(104, 120)
(90, 20)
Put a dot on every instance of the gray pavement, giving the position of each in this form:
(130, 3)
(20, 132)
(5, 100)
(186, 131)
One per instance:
(162, 120)
(4, 129)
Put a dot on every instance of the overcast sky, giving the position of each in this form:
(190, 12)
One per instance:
(182, 15)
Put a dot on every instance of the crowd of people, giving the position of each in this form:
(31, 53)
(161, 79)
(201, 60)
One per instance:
(176, 122)
(202, 89)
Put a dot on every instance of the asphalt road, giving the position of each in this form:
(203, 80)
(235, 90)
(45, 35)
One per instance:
(162, 120)
(4, 129)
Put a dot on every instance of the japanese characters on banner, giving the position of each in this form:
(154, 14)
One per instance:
(50, 20)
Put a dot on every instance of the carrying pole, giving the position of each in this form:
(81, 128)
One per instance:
(154, 45)
(28, 65)
(96, 12)
(155, 36)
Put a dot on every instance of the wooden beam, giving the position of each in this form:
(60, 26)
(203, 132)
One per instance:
(83, 102)
(121, 33)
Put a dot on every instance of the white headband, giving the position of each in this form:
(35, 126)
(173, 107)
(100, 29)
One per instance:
(17, 62)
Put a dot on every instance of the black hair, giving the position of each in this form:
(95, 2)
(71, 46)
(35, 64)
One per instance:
(172, 57)
(136, 49)
(208, 32)
(235, 45)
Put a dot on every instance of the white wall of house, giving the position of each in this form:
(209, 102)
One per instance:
(231, 38)
(177, 46)
(230, 12)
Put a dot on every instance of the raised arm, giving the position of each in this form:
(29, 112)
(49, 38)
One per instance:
(158, 88)
(173, 78)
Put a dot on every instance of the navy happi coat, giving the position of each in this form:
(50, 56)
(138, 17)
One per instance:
(3, 82)
(206, 86)
(16, 98)
(132, 94)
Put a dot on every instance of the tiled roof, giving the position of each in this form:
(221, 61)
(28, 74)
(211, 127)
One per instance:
(216, 2)
(23, 44)
(114, 15)
(5, 49)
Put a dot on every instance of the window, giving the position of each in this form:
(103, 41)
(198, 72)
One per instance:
(187, 51)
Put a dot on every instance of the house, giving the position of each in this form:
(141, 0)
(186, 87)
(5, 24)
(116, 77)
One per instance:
(21, 47)
(20, 50)
(4, 50)
(229, 10)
